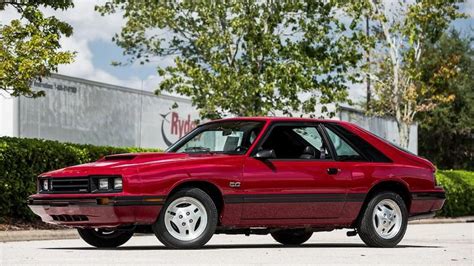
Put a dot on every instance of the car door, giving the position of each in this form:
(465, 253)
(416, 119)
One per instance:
(293, 185)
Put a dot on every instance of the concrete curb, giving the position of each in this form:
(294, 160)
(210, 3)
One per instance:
(464, 219)
(30, 235)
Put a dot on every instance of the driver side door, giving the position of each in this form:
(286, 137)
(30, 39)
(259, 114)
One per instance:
(293, 186)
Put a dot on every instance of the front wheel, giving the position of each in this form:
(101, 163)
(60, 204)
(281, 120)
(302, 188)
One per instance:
(384, 221)
(188, 219)
(291, 237)
(104, 238)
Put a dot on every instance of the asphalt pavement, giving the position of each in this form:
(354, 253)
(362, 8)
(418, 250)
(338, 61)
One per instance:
(424, 244)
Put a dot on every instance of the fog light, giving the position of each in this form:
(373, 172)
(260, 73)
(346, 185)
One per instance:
(118, 183)
(104, 183)
(45, 184)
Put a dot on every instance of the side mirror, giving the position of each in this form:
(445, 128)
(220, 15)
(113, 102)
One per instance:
(265, 154)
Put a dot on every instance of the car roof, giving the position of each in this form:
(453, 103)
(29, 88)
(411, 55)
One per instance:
(274, 118)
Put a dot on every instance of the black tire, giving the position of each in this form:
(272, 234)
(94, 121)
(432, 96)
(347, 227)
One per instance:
(159, 227)
(102, 238)
(366, 228)
(292, 237)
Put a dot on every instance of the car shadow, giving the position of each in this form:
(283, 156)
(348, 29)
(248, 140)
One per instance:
(243, 246)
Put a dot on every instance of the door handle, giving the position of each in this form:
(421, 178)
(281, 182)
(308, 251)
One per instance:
(332, 171)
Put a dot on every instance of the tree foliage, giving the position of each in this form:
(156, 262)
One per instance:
(245, 57)
(29, 46)
(448, 130)
(403, 31)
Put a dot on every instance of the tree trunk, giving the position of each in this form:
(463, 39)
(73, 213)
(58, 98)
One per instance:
(404, 134)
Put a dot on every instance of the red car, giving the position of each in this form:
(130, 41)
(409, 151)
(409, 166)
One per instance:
(286, 177)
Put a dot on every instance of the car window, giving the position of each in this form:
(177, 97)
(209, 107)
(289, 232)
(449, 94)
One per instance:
(344, 151)
(296, 142)
(370, 153)
(234, 137)
(311, 135)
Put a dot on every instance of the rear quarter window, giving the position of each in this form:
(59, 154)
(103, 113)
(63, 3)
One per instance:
(357, 144)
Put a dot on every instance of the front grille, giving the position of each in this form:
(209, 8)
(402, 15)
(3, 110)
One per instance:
(76, 185)
(69, 218)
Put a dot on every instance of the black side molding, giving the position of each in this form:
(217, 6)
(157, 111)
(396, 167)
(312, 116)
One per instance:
(294, 198)
(428, 195)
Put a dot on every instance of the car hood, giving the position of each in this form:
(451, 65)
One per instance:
(118, 163)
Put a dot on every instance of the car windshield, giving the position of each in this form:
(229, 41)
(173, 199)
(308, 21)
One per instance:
(230, 137)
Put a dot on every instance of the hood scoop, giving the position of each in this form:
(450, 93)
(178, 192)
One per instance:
(120, 157)
(142, 156)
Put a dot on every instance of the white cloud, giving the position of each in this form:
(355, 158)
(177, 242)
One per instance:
(150, 83)
(89, 24)
(468, 8)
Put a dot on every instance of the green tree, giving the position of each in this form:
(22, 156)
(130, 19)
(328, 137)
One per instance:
(447, 132)
(29, 45)
(245, 57)
(403, 30)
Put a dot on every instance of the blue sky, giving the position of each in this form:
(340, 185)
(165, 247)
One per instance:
(107, 52)
(95, 49)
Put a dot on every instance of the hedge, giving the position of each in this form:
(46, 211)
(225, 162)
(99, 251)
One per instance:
(459, 186)
(21, 160)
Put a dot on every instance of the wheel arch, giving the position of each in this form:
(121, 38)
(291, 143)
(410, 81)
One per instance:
(396, 186)
(210, 188)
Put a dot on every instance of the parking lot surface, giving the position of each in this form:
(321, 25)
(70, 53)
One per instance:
(424, 244)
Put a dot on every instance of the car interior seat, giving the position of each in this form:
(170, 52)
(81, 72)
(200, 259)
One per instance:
(309, 153)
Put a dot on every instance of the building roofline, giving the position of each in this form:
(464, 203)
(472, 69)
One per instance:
(120, 88)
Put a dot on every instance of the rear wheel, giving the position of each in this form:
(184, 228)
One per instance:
(104, 238)
(384, 221)
(292, 236)
(188, 219)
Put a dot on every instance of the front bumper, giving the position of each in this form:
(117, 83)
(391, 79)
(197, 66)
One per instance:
(96, 211)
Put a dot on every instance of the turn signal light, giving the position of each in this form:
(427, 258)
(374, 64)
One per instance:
(103, 201)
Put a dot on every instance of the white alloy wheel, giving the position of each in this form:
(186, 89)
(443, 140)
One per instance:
(387, 218)
(185, 218)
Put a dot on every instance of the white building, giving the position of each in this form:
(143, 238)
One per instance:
(82, 111)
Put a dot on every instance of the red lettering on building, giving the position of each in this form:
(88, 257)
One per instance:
(181, 127)
(174, 123)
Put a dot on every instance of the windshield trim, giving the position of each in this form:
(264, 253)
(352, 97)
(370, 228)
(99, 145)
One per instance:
(178, 144)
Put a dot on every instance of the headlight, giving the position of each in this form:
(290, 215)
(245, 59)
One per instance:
(103, 184)
(106, 184)
(118, 183)
(45, 184)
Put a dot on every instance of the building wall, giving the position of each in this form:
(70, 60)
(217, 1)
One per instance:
(8, 115)
(81, 111)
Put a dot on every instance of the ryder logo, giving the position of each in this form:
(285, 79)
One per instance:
(177, 128)
(181, 127)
